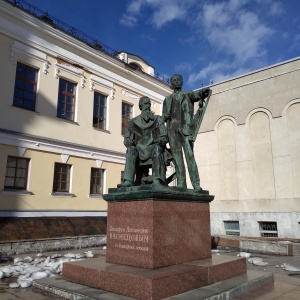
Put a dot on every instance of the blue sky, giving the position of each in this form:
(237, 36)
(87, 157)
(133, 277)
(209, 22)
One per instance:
(202, 40)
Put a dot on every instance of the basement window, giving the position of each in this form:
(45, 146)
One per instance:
(268, 229)
(232, 227)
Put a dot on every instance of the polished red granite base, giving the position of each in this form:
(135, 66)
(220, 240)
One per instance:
(155, 284)
(153, 233)
(158, 245)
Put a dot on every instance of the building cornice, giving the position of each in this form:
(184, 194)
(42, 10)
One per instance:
(35, 54)
(250, 82)
(26, 141)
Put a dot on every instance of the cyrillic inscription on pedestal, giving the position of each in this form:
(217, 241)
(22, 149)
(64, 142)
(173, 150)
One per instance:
(123, 238)
(153, 234)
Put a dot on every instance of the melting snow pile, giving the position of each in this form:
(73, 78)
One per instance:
(28, 269)
(257, 261)
(244, 254)
(289, 268)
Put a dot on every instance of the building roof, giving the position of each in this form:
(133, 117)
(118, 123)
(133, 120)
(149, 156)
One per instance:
(135, 55)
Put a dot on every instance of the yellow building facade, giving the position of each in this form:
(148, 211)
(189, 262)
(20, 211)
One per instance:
(64, 107)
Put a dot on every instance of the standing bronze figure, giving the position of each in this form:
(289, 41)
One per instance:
(178, 112)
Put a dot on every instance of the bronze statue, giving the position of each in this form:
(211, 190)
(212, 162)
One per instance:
(182, 128)
(145, 139)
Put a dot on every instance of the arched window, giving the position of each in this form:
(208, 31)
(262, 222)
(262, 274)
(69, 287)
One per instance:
(135, 66)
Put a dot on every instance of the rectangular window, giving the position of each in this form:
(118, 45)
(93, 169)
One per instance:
(232, 227)
(126, 115)
(66, 100)
(61, 182)
(96, 186)
(16, 173)
(99, 114)
(268, 229)
(25, 87)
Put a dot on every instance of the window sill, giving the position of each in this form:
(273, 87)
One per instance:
(96, 196)
(26, 109)
(68, 121)
(103, 130)
(62, 195)
(16, 192)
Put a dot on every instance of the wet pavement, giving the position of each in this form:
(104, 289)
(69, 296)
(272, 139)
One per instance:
(286, 284)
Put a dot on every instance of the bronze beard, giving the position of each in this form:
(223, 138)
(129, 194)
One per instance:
(147, 115)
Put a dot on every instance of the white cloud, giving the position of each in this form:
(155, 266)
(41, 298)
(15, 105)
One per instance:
(205, 73)
(232, 30)
(215, 14)
(184, 66)
(216, 72)
(166, 13)
(135, 6)
(221, 76)
(162, 11)
(128, 20)
(275, 9)
(271, 7)
(237, 30)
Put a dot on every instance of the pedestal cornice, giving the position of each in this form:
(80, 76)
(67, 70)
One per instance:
(157, 193)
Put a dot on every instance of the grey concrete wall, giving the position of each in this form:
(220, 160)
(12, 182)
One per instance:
(287, 223)
(39, 246)
(248, 151)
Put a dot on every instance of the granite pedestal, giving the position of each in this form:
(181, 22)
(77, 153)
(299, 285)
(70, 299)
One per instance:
(156, 233)
(158, 245)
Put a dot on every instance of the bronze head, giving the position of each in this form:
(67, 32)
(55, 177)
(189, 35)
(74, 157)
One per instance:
(176, 81)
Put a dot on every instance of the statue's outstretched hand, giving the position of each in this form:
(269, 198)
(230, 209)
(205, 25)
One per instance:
(206, 92)
(203, 93)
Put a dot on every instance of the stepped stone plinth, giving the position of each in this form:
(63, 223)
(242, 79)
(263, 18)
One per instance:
(158, 245)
